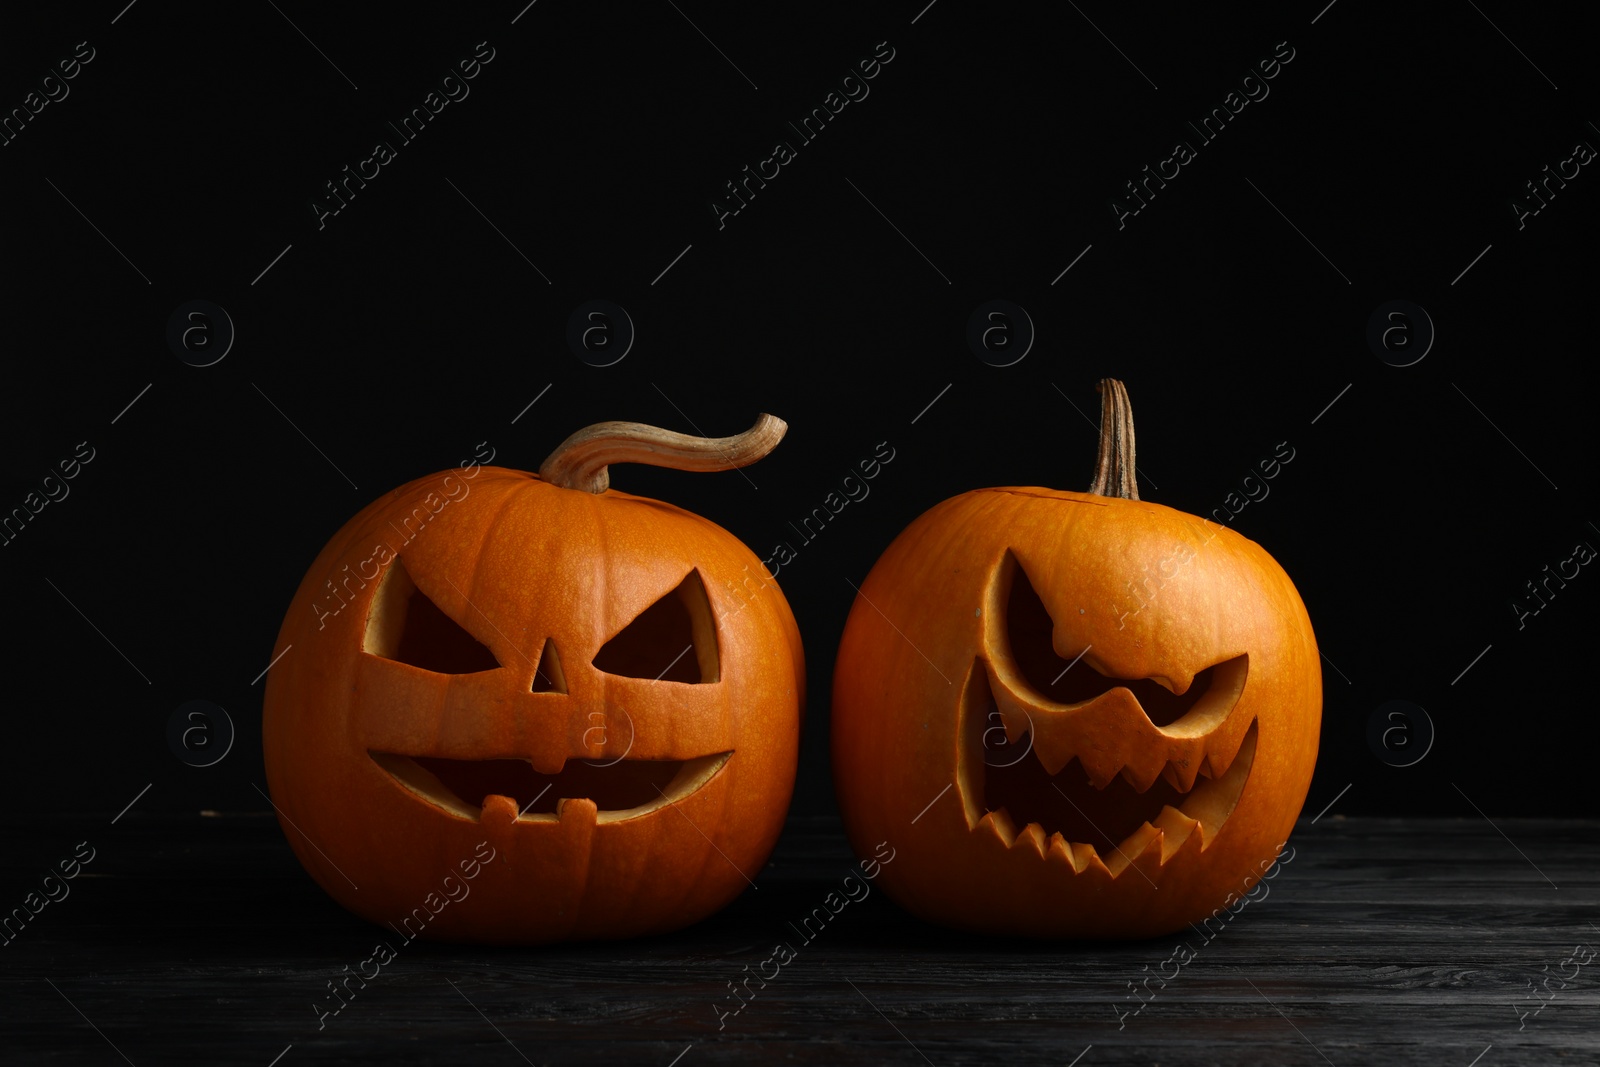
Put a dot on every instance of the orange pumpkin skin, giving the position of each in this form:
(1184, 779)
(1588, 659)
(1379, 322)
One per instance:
(517, 562)
(1151, 593)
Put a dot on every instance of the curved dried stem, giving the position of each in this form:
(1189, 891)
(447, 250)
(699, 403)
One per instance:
(1114, 469)
(582, 460)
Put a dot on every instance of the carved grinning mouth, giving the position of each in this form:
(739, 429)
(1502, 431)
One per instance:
(1071, 811)
(624, 789)
(670, 642)
(1089, 769)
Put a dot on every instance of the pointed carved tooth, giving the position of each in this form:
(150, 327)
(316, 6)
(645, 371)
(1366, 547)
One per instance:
(1221, 742)
(1215, 764)
(1032, 836)
(1212, 800)
(1115, 748)
(1062, 852)
(1146, 764)
(1169, 773)
(1180, 772)
(1222, 748)
(1142, 777)
(1001, 825)
(1131, 848)
(1016, 720)
(1175, 829)
(1101, 766)
(1206, 804)
(1088, 859)
(1053, 750)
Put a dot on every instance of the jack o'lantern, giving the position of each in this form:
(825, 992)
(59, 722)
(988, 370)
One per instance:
(527, 708)
(1074, 714)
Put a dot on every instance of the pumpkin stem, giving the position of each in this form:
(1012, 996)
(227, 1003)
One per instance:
(581, 461)
(1114, 470)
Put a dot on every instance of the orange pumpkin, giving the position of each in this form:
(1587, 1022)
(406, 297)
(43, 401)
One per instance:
(584, 698)
(1074, 714)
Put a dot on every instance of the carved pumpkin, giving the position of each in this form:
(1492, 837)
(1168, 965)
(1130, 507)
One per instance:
(582, 696)
(1074, 714)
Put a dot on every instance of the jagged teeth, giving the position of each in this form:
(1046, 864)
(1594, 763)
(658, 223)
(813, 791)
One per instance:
(1142, 778)
(1086, 856)
(1032, 836)
(1180, 773)
(1179, 759)
(1063, 851)
(1052, 754)
(1209, 757)
(1168, 831)
(1175, 829)
(1001, 825)
(1221, 751)
(1101, 766)
(1135, 845)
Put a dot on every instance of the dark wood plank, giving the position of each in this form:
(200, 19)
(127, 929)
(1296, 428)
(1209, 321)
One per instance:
(1383, 941)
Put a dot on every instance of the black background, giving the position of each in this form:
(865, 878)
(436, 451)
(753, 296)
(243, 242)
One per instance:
(414, 325)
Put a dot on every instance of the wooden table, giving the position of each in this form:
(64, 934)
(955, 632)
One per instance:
(200, 940)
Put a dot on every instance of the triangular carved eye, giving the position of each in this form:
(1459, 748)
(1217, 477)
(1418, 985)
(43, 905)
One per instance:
(548, 676)
(405, 625)
(1028, 632)
(673, 640)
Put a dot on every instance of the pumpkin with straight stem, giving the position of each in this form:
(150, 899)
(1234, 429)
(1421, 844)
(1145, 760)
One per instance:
(1074, 714)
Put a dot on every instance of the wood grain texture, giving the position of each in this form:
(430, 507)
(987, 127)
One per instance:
(1382, 941)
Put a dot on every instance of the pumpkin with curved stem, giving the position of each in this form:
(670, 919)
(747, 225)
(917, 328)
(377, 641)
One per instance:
(1074, 714)
(589, 688)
